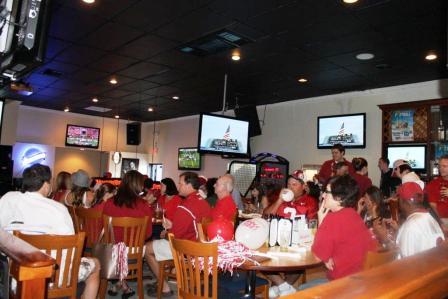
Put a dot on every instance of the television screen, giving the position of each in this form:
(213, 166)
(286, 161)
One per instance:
(189, 159)
(223, 135)
(82, 136)
(348, 130)
(2, 108)
(414, 154)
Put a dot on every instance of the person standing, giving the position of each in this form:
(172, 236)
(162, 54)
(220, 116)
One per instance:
(437, 191)
(388, 182)
(328, 168)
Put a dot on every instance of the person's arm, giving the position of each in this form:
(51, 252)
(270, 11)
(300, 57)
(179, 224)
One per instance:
(272, 209)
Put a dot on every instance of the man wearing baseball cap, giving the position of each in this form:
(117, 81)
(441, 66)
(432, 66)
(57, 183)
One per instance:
(403, 170)
(420, 231)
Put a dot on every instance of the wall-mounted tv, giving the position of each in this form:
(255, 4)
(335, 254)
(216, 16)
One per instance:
(223, 135)
(348, 130)
(2, 108)
(81, 136)
(189, 158)
(415, 154)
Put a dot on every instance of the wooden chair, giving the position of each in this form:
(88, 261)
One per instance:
(165, 272)
(378, 258)
(89, 221)
(66, 250)
(134, 230)
(191, 281)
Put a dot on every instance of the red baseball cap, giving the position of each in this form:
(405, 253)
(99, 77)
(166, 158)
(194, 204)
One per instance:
(410, 191)
(298, 175)
(202, 180)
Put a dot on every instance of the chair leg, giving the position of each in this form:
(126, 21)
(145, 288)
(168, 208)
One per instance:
(304, 277)
(161, 279)
(103, 289)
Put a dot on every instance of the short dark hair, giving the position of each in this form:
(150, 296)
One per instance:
(339, 165)
(443, 157)
(34, 177)
(339, 147)
(148, 183)
(386, 160)
(171, 188)
(359, 163)
(404, 167)
(346, 189)
(191, 178)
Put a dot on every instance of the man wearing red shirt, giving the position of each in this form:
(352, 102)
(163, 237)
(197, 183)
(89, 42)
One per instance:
(225, 206)
(183, 226)
(437, 191)
(327, 169)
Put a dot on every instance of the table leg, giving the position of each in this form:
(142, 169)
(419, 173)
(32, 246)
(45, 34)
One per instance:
(251, 279)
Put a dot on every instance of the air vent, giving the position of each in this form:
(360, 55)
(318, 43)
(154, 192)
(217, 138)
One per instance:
(98, 109)
(214, 43)
(52, 73)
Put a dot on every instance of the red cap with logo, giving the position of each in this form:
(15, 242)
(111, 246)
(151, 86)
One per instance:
(410, 191)
(298, 175)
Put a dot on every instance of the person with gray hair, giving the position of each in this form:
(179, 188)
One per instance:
(225, 206)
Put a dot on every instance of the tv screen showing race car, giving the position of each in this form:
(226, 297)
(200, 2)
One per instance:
(348, 130)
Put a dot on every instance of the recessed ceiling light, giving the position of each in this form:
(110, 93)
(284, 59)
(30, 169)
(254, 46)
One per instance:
(95, 100)
(350, 1)
(365, 56)
(113, 81)
(175, 98)
(117, 116)
(150, 109)
(431, 56)
(236, 56)
(66, 109)
(303, 80)
(88, 1)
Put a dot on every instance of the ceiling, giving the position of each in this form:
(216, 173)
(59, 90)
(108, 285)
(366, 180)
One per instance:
(138, 42)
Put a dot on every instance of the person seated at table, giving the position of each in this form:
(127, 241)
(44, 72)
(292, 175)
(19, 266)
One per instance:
(128, 203)
(31, 212)
(211, 195)
(340, 169)
(80, 194)
(169, 200)
(371, 206)
(258, 200)
(104, 192)
(342, 240)
(360, 165)
(419, 232)
(225, 206)
(183, 226)
(63, 184)
(404, 171)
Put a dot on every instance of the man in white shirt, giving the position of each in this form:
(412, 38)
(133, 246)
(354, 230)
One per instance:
(31, 212)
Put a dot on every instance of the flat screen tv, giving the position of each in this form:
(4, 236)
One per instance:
(415, 154)
(348, 130)
(2, 108)
(223, 135)
(189, 158)
(81, 136)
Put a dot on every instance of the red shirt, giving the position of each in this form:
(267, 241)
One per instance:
(191, 211)
(140, 209)
(363, 183)
(433, 191)
(327, 170)
(170, 206)
(304, 205)
(60, 195)
(224, 207)
(344, 237)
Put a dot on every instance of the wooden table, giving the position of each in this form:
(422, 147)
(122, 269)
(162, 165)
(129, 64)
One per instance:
(278, 263)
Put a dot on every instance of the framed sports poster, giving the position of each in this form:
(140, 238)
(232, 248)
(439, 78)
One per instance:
(402, 125)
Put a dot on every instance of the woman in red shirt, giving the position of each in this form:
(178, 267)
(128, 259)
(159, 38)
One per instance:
(360, 165)
(105, 192)
(168, 200)
(63, 184)
(128, 203)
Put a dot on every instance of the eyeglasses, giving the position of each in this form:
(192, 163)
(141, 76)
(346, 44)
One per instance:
(327, 191)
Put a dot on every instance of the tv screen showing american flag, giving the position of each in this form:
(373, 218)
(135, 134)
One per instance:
(223, 135)
(348, 130)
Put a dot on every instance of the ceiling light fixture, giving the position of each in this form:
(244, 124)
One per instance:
(365, 56)
(431, 56)
(150, 109)
(113, 81)
(88, 1)
(303, 80)
(350, 1)
(95, 100)
(66, 109)
(117, 116)
(236, 56)
(175, 98)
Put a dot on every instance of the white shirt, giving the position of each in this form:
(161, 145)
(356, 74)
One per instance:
(413, 177)
(32, 213)
(419, 232)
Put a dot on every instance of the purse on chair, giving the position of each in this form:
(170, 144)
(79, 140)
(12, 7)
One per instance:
(113, 257)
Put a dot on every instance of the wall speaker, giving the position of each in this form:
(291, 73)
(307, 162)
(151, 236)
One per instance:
(133, 133)
(249, 113)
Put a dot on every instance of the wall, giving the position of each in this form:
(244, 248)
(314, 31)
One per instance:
(72, 159)
(117, 169)
(9, 124)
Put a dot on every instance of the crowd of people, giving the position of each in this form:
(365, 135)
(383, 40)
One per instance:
(353, 215)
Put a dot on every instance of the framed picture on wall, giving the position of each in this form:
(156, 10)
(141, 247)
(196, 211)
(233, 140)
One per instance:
(402, 125)
(128, 164)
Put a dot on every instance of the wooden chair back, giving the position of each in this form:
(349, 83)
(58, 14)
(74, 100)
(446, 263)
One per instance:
(193, 283)
(90, 221)
(72, 212)
(66, 250)
(201, 233)
(378, 258)
(134, 230)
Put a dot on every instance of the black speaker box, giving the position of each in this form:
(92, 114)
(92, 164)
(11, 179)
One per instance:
(133, 133)
(249, 113)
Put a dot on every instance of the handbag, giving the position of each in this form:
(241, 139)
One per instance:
(113, 257)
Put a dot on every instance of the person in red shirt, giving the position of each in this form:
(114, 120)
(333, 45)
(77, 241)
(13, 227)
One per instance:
(105, 192)
(225, 206)
(342, 239)
(360, 165)
(327, 169)
(128, 203)
(437, 191)
(169, 198)
(183, 225)
(63, 184)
